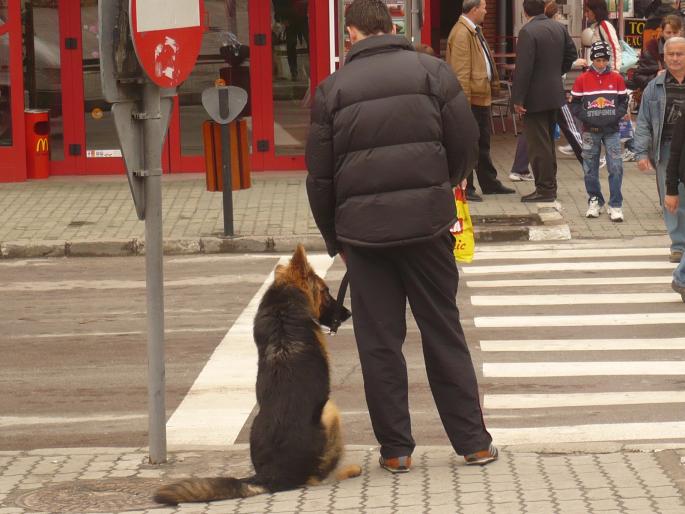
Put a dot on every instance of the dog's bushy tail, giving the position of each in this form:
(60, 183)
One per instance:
(207, 490)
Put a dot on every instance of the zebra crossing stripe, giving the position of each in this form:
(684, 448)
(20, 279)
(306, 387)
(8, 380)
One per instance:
(588, 281)
(582, 369)
(576, 299)
(515, 269)
(581, 345)
(589, 433)
(544, 401)
(222, 397)
(569, 253)
(645, 318)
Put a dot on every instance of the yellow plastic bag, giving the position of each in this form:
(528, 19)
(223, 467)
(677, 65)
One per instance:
(463, 229)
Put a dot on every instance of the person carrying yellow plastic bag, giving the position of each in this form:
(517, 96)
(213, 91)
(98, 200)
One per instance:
(463, 229)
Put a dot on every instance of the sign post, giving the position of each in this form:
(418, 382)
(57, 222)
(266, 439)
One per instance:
(224, 104)
(147, 49)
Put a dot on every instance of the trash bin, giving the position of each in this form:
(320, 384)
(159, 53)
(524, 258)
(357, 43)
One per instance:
(37, 143)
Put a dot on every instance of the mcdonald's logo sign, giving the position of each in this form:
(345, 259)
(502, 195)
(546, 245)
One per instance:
(42, 145)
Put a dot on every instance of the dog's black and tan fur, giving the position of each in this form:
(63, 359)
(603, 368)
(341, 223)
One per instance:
(295, 437)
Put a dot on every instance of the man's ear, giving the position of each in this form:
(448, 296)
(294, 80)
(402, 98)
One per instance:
(355, 34)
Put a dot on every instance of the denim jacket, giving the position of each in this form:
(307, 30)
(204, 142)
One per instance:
(650, 120)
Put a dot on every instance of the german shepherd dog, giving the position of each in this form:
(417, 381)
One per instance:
(295, 438)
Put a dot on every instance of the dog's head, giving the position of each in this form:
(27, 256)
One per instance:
(299, 272)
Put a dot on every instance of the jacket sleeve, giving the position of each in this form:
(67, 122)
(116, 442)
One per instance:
(459, 128)
(320, 171)
(642, 139)
(675, 161)
(460, 61)
(525, 51)
(622, 107)
(577, 99)
(611, 37)
(570, 52)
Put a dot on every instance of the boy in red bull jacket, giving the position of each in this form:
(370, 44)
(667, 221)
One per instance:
(600, 100)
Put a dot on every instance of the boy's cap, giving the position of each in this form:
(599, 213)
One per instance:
(599, 50)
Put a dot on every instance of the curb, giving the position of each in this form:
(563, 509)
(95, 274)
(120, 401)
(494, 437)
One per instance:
(551, 227)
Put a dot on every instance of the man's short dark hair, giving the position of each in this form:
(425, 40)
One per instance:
(369, 17)
(533, 7)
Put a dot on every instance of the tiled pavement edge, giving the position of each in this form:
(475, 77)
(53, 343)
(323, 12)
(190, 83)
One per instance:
(116, 480)
(95, 215)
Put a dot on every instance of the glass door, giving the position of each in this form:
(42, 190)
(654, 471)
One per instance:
(12, 158)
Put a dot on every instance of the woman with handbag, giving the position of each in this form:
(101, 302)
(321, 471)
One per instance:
(597, 13)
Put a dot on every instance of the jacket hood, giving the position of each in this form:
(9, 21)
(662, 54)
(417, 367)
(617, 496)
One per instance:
(377, 44)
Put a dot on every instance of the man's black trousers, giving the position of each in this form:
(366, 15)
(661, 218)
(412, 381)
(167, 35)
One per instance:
(485, 169)
(381, 281)
(539, 130)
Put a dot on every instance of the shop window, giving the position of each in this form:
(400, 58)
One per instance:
(43, 67)
(5, 93)
(224, 54)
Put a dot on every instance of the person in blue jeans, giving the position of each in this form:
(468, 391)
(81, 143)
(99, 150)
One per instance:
(661, 106)
(599, 101)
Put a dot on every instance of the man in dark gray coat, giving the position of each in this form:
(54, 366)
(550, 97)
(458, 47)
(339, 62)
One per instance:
(544, 52)
(391, 134)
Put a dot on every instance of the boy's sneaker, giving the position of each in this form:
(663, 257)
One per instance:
(615, 214)
(396, 464)
(629, 156)
(482, 457)
(521, 177)
(593, 208)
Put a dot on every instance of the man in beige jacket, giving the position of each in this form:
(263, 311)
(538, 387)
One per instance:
(470, 58)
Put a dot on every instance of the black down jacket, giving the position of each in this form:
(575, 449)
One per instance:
(391, 133)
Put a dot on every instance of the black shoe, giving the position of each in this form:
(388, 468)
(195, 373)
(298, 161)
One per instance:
(472, 196)
(499, 189)
(538, 197)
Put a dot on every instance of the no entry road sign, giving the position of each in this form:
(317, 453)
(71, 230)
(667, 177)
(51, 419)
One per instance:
(167, 36)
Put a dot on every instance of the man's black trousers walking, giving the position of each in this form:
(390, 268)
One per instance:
(485, 169)
(539, 130)
(381, 281)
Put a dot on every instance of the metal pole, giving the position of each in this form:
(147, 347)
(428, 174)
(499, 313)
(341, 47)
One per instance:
(415, 21)
(152, 165)
(226, 164)
(502, 26)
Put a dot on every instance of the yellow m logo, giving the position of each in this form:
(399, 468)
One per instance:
(42, 145)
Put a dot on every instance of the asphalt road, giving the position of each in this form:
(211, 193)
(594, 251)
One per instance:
(551, 367)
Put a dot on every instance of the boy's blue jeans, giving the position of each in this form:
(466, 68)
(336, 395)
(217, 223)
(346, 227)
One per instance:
(592, 146)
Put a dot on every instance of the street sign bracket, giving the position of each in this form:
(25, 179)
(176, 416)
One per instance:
(145, 116)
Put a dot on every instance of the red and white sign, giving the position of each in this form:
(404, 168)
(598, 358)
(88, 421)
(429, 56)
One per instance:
(167, 36)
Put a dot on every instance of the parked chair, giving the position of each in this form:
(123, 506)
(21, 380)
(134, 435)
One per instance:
(502, 106)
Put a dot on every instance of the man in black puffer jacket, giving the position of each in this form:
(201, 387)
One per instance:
(391, 134)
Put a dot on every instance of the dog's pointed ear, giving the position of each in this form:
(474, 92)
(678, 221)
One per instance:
(298, 261)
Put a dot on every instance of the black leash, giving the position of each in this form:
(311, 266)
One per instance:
(342, 291)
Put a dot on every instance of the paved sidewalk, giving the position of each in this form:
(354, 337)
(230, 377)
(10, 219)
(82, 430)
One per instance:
(95, 215)
(117, 480)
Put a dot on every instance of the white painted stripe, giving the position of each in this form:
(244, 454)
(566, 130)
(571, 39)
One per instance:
(113, 334)
(581, 345)
(542, 282)
(491, 254)
(582, 369)
(647, 318)
(576, 299)
(223, 395)
(544, 401)
(566, 266)
(64, 285)
(14, 421)
(588, 433)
